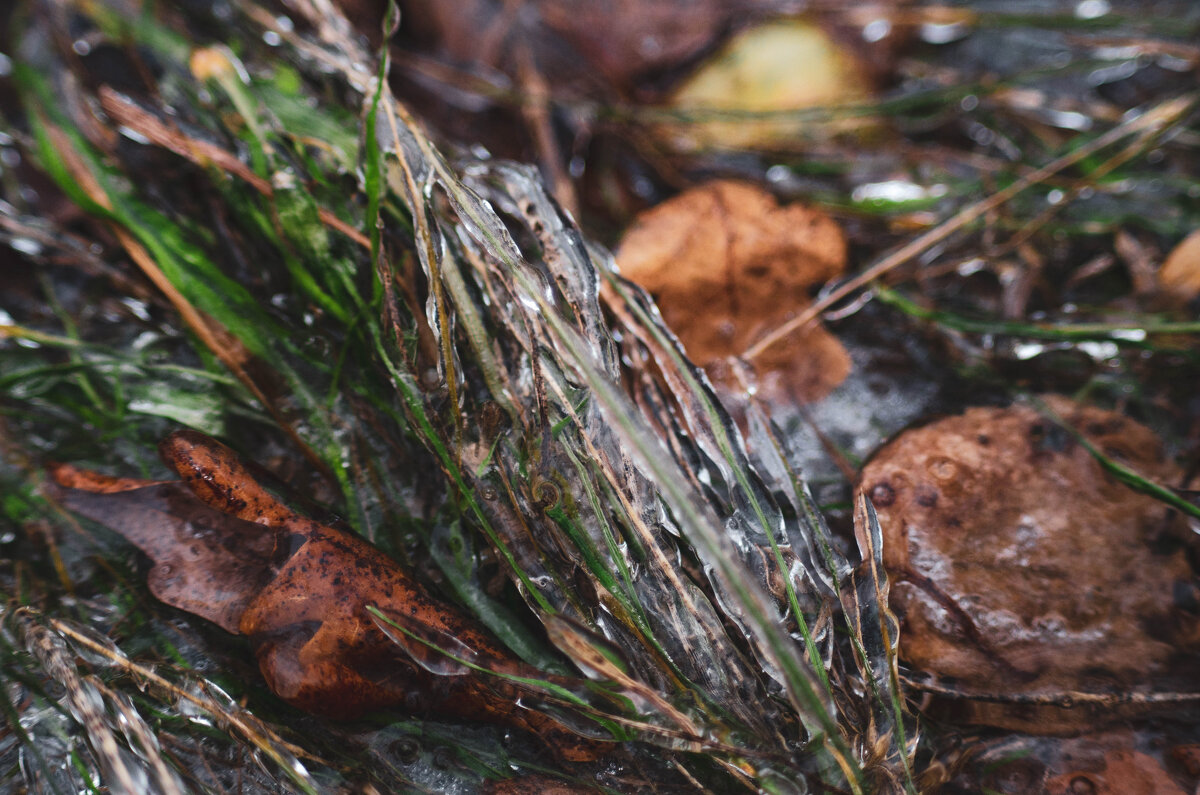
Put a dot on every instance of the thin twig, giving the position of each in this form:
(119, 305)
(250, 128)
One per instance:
(1058, 698)
(537, 117)
(1153, 121)
(261, 736)
(202, 153)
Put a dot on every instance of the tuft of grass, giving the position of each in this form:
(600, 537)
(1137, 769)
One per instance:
(433, 352)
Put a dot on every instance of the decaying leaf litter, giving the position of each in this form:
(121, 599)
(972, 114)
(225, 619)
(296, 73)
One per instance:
(495, 307)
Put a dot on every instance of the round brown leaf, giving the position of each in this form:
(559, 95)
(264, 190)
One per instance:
(726, 264)
(1022, 566)
(1125, 772)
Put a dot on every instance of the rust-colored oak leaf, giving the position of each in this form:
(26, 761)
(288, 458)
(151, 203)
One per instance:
(1180, 273)
(726, 264)
(226, 550)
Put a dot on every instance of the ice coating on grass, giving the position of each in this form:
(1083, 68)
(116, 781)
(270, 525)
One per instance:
(689, 478)
(619, 461)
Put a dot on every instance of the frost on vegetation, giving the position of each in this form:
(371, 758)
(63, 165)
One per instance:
(627, 476)
(740, 629)
(114, 745)
(659, 466)
(81, 730)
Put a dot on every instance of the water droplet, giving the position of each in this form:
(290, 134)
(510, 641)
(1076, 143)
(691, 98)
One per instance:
(778, 173)
(971, 266)
(1027, 350)
(943, 468)
(138, 308)
(882, 495)
(877, 30)
(26, 245)
(1092, 9)
(943, 32)
(649, 46)
(406, 750)
(133, 135)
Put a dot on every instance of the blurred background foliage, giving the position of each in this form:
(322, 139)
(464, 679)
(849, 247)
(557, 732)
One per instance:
(235, 218)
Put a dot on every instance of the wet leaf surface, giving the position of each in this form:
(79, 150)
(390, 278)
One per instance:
(1180, 272)
(1099, 763)
(621, 40)
(1022, 566)
(1127, 772)
(726, 263)
(224, 549)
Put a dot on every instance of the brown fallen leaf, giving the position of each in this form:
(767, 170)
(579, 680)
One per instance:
(626, 39)
(1125, 772)
(1021, 566)
(226, 550)
(1126, 760)
(619, 41)
(1188, 757)
(726, 263)
(1180, 273)
(1139, 261)
(765, 77)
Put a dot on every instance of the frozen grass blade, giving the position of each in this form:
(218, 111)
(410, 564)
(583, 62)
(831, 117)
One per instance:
(437, 338)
